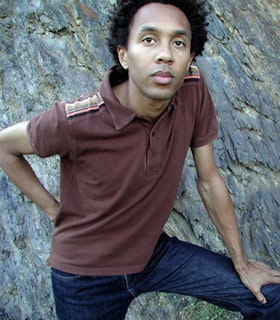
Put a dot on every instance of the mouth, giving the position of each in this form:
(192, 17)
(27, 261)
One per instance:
(163, 77)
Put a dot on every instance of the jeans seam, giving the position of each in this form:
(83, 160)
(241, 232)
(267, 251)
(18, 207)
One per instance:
(66, 278)
(128, 287)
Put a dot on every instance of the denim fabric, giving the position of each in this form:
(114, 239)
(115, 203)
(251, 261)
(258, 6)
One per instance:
(177, 267)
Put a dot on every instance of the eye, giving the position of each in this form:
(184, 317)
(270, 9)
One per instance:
(149, 41)
(179, 44)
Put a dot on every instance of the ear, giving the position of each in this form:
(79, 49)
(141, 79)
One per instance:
(191, 59)
(122, 57)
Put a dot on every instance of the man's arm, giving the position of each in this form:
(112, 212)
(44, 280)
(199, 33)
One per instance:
(14, 144)
(217, 201)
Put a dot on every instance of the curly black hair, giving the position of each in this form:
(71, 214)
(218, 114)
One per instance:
(124, 10)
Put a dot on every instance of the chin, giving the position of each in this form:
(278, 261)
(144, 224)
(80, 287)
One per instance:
(161, 94)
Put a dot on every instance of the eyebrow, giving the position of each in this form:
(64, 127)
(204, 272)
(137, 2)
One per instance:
(156, 30)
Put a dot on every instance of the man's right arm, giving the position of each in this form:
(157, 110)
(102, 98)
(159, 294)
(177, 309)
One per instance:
(14, 144)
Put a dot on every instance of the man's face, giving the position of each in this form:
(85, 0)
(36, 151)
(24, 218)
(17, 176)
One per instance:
(158, 52)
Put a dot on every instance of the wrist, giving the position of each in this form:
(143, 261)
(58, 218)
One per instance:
(52, 210)
(240, 263)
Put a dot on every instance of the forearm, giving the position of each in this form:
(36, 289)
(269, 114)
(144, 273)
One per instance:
(14, 143)
(23, 176)
(220, 208)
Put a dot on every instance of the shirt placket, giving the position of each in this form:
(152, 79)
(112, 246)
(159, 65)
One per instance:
(153, 156)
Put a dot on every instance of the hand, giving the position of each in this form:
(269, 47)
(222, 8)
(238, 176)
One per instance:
(255, 274)
(53, 210)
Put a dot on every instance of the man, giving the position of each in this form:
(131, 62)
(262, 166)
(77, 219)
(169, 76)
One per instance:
(122, 153)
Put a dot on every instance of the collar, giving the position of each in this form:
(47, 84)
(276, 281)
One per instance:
(121, 115)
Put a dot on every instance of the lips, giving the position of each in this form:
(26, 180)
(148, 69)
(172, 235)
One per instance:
(163, 77)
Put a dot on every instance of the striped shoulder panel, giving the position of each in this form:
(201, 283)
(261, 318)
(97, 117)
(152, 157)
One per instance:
(84, 105)
(192, 74)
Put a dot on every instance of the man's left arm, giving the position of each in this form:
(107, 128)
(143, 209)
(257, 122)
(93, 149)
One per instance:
(218, 204)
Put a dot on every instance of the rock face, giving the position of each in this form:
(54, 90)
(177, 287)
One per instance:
(56, 50)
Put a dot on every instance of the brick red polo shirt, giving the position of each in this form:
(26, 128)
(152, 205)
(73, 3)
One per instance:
(119, 174)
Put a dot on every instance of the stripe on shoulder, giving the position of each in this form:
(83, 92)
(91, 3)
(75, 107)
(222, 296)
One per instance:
(84, 105)
(192, 74)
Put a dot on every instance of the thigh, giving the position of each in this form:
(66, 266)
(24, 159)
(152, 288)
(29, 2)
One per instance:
(90, 298)
(180, 267)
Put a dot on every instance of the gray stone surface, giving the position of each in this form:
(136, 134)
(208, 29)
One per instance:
(56, 50)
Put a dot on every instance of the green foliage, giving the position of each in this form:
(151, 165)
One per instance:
(160, 305)
(200, 310)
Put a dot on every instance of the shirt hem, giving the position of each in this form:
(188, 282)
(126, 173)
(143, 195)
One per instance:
(206, 141)
(95, 271)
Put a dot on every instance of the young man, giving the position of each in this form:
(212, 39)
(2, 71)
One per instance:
(122, 153)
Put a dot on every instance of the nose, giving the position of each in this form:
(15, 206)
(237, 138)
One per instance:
(165, 54)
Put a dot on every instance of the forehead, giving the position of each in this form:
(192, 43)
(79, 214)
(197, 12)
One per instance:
(160, 16)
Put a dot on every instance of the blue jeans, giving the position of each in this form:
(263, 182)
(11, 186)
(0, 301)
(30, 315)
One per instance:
(177, 267)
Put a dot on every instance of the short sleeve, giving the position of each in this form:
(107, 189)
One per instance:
(206, 124)
(49, 133)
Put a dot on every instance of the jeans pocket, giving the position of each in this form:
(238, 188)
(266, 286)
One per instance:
(65, 276)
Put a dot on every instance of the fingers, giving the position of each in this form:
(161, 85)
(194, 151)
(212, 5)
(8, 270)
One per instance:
(257, 275)
(260, 297)
(276, 273)
(271, 275)
(275, 276)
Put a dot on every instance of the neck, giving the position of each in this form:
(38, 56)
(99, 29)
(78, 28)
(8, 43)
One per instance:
(148, 108)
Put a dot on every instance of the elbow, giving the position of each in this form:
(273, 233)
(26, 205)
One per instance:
(214, 183)
(3, 154)
(7, 157)
(203, 188)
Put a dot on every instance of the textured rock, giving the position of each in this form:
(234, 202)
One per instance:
(56, 50)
